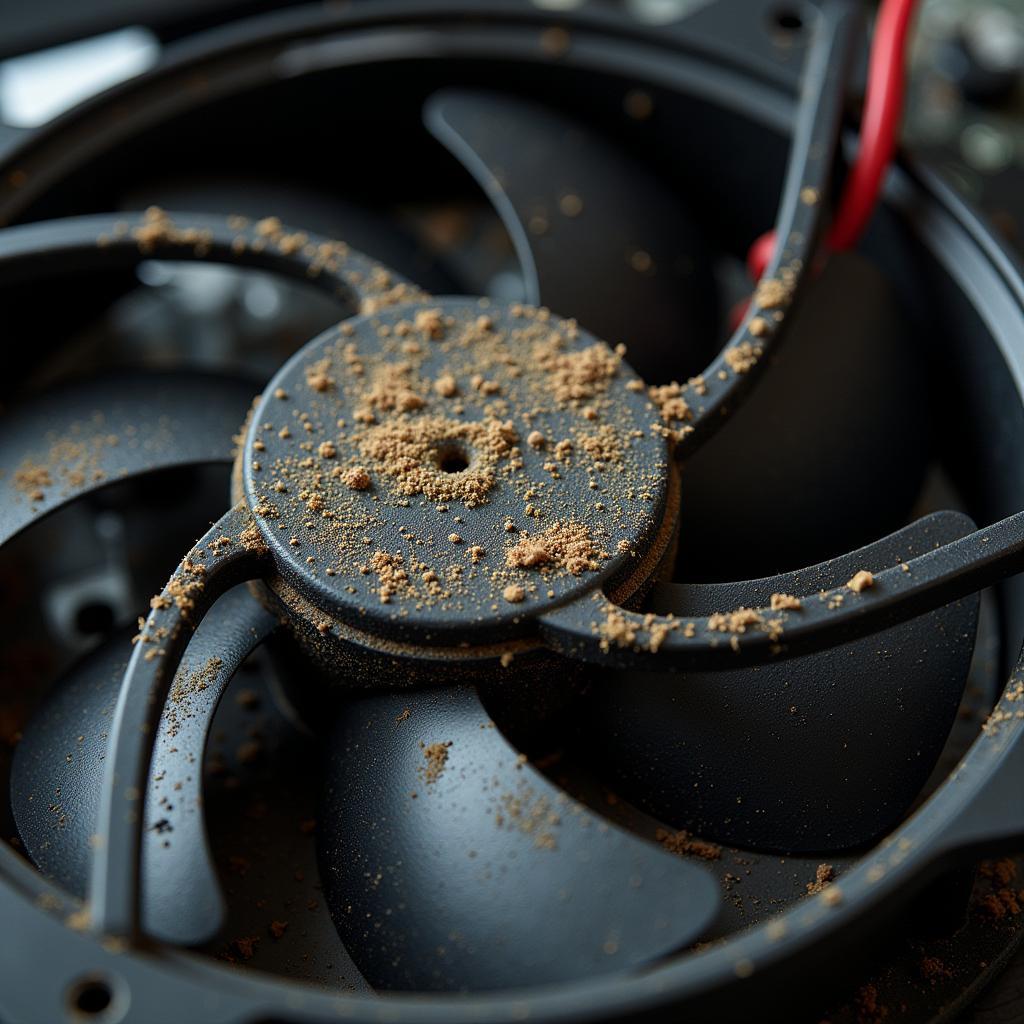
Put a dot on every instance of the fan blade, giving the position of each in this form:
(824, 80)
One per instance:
(828, 450)
(598, 236)
(53, 450)
(77, 439)
(57, 774)
(819, 752)
(450, 863)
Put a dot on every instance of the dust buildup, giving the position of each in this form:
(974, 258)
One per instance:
(436, 757)
(356, 478)
(684, 844)
(575, 376)
(391, 571)
(738, 621)
(446, 386)
(71, 461)
(620, 629)
(743, 357)
(318, 376)
(395, 389)
(406, 450)
(670, 402)
(772, 293)
(861, 580)
(430, 322)
(185, 686)
(824, 876)
(31, 479)
(563, 545)
(439, 414)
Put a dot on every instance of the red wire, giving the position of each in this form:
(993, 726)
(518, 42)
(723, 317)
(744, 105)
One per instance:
(883, 108)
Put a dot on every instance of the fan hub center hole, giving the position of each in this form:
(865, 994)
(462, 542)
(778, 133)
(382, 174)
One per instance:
(452, 458)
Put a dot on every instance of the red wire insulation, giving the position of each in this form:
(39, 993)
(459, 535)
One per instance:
(880, 125)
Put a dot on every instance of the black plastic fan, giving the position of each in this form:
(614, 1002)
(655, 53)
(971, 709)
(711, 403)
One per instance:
(519, 566)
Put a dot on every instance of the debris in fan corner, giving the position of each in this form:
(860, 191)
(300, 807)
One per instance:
(861, 580)
(758, 326)
(436, 756)
(404, 716)
(823, 877)
(683, 843)
(514, 593)
(277, 929)
(785, 602)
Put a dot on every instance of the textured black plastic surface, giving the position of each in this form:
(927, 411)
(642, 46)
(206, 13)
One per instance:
(814, 753)
(326, 536)
(57, 775)
(580, 209)
(469, 870)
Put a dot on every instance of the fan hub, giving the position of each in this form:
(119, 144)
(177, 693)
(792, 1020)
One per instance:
(441, 473)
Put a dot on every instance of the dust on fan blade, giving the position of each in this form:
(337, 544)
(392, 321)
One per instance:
(827, 452)
(56, 778)
(598, 235)
(449, 862)
(77, 439)
(81, 437)
(819, 752)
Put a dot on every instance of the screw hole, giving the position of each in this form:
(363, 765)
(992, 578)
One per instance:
(93, 999)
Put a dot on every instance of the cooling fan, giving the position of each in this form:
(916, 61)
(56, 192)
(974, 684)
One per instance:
(489, 603)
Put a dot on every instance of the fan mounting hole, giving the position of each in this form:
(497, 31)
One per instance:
(94, 618)
(452, 459)
(95, 999)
